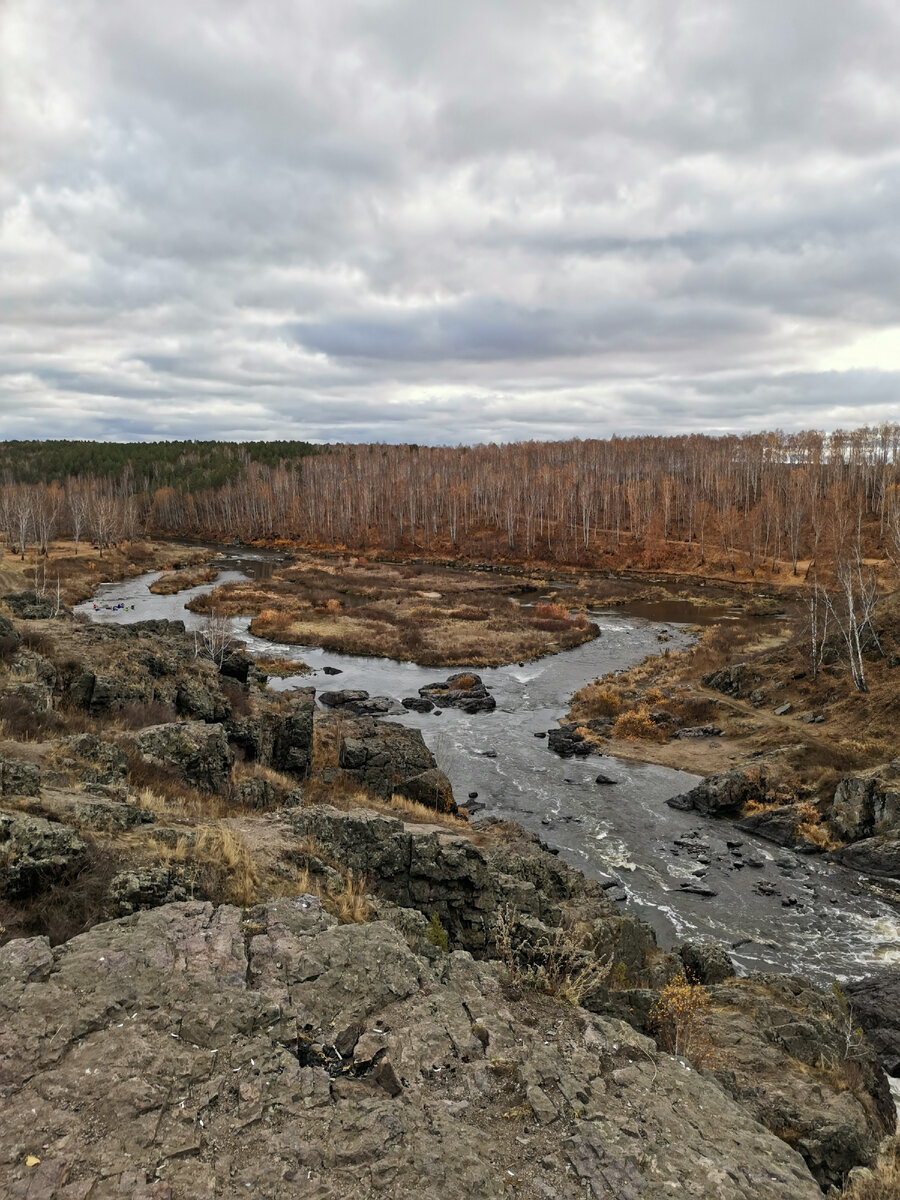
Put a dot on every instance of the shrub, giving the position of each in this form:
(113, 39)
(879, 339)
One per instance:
(604, 704)
(437, 934)
(635, 725)
(551, 612)
(677, 1020)
(556, 965)
(23, 722)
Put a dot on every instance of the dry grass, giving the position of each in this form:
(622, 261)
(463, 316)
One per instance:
(282, 667)
(557, 964)
(881, 1181)
(382, 612)
(216, 863)
(635, 725)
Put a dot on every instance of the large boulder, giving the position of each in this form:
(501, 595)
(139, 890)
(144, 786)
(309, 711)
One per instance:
(868, 804)
(567, 742)
(738, 680)
(431, 788)
(464, 690)
(313, 1059)
(778, 824)
(199, 753)
(36, 854)
(721, 795)
(381, 755)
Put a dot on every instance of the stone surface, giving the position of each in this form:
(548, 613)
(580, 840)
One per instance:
(464, 690)
(188, 1051)
(738, 680)
(198, 752)
(35, 854)
(720, 795)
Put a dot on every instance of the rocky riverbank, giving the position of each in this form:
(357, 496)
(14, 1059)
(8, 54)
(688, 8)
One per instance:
(252, 947)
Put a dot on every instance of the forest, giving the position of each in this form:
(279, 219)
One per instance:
(793, 505)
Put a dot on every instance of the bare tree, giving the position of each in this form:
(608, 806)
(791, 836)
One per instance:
(214, 639)
(852, 608)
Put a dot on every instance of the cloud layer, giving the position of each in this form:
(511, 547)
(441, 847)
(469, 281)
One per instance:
(395, 220)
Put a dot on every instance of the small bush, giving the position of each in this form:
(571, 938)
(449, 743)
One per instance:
(20, 720)
(635, 725)
(556, 965)
(551, 612)
(437, 934)
(677, 1020)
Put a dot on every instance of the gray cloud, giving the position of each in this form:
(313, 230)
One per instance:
(446, 223)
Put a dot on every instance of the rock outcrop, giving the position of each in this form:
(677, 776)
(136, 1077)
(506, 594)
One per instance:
(875, 1004)
(278, 1054)
(199, 753)
(721, 795)
(384, 757)
(36, 853)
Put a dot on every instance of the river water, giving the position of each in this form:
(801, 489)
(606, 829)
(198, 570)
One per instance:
(817, 919)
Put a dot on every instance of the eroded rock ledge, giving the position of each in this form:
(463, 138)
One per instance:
(199, 1051)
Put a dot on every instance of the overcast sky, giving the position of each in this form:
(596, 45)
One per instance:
(447, 220)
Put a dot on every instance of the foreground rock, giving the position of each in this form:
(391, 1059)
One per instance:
(191, 1052)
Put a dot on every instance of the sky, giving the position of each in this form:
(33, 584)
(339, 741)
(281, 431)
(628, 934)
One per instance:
(417, 220)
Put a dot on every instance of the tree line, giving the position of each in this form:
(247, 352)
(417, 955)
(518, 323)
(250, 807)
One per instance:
(760, 501)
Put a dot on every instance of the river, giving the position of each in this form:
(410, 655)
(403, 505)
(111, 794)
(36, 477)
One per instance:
(818, 919)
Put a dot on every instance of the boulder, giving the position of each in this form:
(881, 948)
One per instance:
(19, 778)
(872, 856)
(777, 825)
(738, 680)
(431, 788)
(36, 854)
(199, 753)
(720, 795)
(417, 704)
(311, 1057)
(464, 690)
(567, 742)
(706, 962)
(277, 732)
(92, 759)
(381, 755)
(147, 887)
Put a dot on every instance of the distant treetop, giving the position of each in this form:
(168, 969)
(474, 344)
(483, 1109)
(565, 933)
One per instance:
(189, 465)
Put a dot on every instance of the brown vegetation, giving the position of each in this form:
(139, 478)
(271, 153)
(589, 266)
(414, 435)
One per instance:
(399, 613)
